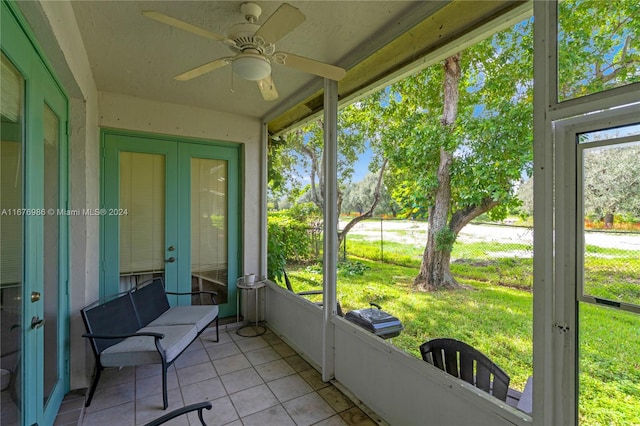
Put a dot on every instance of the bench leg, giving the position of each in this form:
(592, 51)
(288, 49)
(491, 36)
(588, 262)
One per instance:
(93, 385)
(217, 333)
(165, 399)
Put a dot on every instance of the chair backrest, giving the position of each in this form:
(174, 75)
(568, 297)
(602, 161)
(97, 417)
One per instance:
(150, 300)
(308, 293)
(288, 282)
(467, 363)
(114, 317)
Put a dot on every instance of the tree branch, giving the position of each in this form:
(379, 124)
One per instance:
(462, 217)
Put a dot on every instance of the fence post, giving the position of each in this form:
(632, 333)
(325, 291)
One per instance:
(381, 241)
(344, 249)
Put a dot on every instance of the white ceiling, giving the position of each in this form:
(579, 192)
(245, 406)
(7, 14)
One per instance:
(137, 56)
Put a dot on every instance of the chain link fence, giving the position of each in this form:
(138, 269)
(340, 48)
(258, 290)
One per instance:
(503, 253)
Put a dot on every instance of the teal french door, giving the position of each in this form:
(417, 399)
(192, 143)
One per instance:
(33, 230)
(170, 208)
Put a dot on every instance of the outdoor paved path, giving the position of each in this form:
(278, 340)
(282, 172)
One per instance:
(415, 232)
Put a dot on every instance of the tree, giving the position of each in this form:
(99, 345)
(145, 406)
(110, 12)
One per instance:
(612, 182)
(598, 45)
(358, 196)
(305, 147)
(461, 135)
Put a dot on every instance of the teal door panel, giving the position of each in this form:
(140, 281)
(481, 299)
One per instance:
(214, 199)
(116, 149)
(195, 258)
(39, 383)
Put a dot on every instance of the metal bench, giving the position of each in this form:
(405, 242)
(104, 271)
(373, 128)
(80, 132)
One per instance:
(139, 327)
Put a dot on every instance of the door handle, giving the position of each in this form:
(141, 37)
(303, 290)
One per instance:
(37, 322)
(170, 260)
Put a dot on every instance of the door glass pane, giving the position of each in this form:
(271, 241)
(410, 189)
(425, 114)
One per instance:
(51, 257)
(609, 338)
(142, 222)
(598, 46)
(611, 233)
(11, 239)
(209, 228)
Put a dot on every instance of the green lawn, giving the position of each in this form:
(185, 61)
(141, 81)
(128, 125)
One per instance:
(495, 317)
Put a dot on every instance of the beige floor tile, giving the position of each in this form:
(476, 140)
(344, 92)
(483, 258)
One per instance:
(332, 421)
(119, 415)
(284, 350)
(222, 412)
(231, 364)
(193, 357)
(117, 376)
(298, 363)
(207, 390)
(151, 370)
(247, 345)
(240, 380)
(196, 373)
(223, 350)
(273, 416)
(289, 387)
(262, 356)
(150, 408)
(274, 370)
(152, 385)
(336, 399)
(252, 400)
(111, 397)
(272, 339)
(314, 379)
(208, 338)
(308, 409)
(356, 417)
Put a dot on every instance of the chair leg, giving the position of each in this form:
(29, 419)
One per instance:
(93, 385)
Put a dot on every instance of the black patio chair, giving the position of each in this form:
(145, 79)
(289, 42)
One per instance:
(181, 411)
(287, 281)
(467, 363)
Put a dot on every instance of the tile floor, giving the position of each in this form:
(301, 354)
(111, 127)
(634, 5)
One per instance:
(249, 381)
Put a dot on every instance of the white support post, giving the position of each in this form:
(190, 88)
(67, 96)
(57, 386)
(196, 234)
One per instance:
(264, 179)
(543, 259)
(330, 255)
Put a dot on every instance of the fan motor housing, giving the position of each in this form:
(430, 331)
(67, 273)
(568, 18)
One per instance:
(244, 39)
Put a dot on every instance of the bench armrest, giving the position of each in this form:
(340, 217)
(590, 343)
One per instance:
(211, 293)
(122, 336)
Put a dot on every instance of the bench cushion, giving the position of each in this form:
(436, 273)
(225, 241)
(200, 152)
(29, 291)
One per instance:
(138, 350)
(198, 315)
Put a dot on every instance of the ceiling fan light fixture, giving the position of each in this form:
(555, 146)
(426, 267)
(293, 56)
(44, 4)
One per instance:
(251, 67)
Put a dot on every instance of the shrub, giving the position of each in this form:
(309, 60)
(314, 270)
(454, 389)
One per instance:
(291, 238)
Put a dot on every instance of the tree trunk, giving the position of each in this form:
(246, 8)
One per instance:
(434, 270)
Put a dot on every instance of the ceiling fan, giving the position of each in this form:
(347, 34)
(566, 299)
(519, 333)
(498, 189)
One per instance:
(254, 47)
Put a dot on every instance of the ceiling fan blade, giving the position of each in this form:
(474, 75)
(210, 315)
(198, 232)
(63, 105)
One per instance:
(312, 66)
(267, 88)
(165, 19)
(203, 69)
(282, 22)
